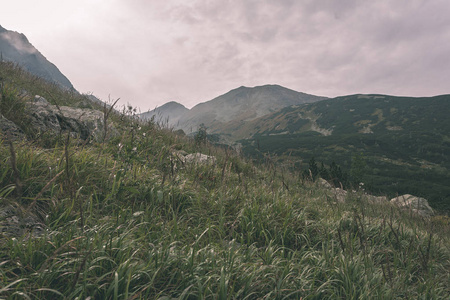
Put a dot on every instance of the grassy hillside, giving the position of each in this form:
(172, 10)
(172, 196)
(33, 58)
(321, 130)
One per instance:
(127, 219)
(405, 142)
(21, 80)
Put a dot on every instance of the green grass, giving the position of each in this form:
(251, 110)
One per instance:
(126, 219)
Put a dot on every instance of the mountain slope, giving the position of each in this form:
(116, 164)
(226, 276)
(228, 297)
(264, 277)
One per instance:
(224, 114)
(405, 141)
(169, 113)
(15, 47)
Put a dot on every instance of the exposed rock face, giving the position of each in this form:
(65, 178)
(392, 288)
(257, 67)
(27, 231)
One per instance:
(417, 205)
(44, 117)
(79, 121)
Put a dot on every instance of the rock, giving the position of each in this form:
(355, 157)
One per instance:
(8, 127)
(81, 122)
(417, 205)
(339, 194)
(322, 182)
(40, 100)
(376, 199)
(180, 154)
(14, 223)
(199, 158)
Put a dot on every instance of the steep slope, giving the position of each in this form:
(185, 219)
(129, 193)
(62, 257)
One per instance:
(224, 114)
(404, 140)
(15, 47)
(167, 114)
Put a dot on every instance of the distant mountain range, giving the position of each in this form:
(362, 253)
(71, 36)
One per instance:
(15, 47)
(224, 115)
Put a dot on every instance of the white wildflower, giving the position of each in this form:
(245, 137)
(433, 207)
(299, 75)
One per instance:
(138, 213)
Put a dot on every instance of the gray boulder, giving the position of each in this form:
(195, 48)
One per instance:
(323, 183)
(417, 205)
(199, 158)
(80, 122)
(376, 199)
(340, 194)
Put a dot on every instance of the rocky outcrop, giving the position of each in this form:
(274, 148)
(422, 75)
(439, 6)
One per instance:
(417, 205)
(83, 123)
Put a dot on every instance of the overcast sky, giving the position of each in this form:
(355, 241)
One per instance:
(148, 52)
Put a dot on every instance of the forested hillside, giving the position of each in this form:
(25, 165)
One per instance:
(404, 141)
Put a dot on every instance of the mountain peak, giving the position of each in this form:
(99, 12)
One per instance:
(169, 113)
(241, 105)
(172, 105)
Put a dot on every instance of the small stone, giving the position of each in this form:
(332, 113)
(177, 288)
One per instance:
(415, 204)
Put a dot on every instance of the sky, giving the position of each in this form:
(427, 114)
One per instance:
(149, 52)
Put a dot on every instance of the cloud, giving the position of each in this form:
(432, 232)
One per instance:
(151, 52)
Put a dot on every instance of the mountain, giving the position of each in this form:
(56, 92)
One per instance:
(405, 141)
(225, 114)
(15, 47)
(169, 113)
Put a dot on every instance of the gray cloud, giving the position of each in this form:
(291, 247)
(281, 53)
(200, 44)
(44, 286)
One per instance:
(150, 52)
